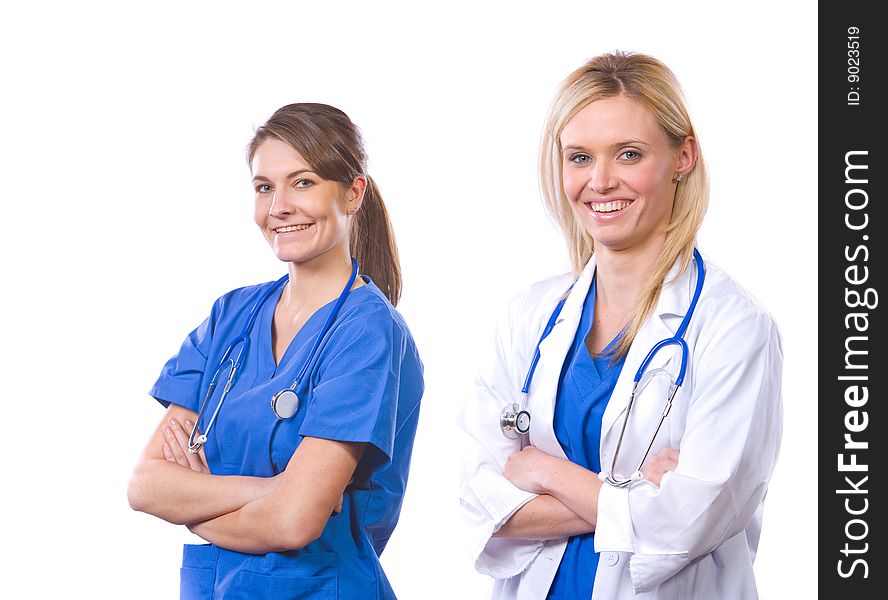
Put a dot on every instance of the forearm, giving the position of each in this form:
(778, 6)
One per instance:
(296, 511)
(179, 495)
(574, 487)
(230, 531)
(235, 531)
(249, 529)
(271, 523)
(544, 518)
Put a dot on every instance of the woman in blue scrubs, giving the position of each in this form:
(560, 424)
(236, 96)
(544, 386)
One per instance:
(296, 500)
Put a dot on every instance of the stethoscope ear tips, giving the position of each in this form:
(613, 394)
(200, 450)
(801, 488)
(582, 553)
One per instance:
(194, 445)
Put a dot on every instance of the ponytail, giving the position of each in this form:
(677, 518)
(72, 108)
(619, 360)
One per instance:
(332, 145)
(372, 243)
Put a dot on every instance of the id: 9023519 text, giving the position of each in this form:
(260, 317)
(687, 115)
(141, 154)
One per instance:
(854, 66)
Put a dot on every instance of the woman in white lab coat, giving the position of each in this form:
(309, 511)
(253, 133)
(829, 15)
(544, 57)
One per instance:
(569, 511)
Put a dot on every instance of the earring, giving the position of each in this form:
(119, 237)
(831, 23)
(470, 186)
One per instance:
(678, 178)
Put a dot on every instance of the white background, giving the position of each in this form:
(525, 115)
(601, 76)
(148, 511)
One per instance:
(127, 211)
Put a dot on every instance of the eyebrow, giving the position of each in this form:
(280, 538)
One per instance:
(290, 176)
(573, 147)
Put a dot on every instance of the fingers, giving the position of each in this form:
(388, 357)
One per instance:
(661, 463)
(167, 453)
(197, 461)
(670, 461)
(203, 459)
(666, 459)
(670, 454)
(338, 508)
(172, 444)
(200, 459)
(176, 438)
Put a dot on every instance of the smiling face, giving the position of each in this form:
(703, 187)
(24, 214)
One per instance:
(303, 216)
(618, 168)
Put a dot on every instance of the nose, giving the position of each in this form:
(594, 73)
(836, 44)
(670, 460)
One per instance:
(601, 179)
(280, 205)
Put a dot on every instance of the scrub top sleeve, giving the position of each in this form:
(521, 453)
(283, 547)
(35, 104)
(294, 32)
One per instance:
(181, 377)
(357, 383)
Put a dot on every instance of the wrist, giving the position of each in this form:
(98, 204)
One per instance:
(547, 480)
(264, 486)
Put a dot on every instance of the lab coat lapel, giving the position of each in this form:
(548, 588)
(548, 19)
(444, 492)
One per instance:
(675, 298)
(553, 351)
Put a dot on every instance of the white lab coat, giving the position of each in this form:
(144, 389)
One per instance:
(695, 536)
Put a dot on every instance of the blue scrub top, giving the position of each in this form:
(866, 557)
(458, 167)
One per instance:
(585, 386)
(364, 385)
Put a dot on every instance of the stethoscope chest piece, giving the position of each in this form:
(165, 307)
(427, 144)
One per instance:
(514, 421)
(285, 404)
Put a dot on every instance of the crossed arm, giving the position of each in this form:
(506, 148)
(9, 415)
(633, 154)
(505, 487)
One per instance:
(246, 514)
(568, 500)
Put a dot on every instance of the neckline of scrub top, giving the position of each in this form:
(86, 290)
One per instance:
(600, 361)
(585, 381)
(310, 328)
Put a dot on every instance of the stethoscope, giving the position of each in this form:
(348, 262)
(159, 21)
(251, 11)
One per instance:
(284, 403)
(515, 418)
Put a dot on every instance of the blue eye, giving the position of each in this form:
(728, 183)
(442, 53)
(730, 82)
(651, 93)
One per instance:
(263, 188)
(303, 183)
(630, 155)
(579, 158)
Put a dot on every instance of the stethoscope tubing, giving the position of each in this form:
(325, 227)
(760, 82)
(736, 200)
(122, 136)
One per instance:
(550, 325)
(325, 331)
(509, 416)
(195, 442)
(677, 339)
(327, 324)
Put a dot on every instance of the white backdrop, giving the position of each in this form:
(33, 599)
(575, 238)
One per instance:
(127, 211)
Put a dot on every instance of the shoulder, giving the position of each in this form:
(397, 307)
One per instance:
(370, 336)
(235, 305)
(539, 298)
(368, 302)
(722, 293)
(367, 310)
(725, 305)
(247, 295)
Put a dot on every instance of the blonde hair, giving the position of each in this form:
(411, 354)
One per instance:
(650, 83)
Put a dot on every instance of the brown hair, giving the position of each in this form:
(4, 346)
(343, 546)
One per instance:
(649, 82)
(332, 145)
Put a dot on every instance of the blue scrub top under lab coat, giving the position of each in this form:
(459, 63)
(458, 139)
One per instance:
(364, 385)
(584, 389)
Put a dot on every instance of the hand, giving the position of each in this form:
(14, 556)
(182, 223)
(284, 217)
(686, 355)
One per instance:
(338, 508)
(528, 468)
(175, 446)
(661, 462)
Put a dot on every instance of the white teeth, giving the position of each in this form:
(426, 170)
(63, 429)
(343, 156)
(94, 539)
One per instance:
(606, 207)
(289, 228)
